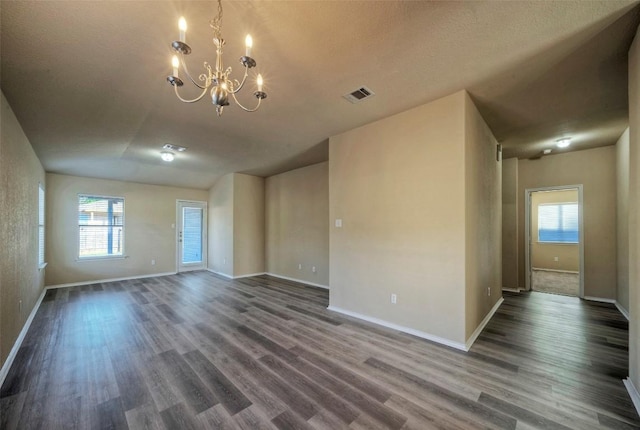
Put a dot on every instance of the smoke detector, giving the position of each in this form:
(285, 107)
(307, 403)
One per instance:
(359, 95)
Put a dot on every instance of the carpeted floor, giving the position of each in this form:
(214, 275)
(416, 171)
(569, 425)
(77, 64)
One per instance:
(545, 281)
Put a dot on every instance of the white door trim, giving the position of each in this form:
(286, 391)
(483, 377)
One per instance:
(203, 265)
(527, 232)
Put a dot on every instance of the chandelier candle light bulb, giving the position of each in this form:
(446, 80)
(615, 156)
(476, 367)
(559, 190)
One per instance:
(175, 62)
(259, 81)
(182, 25)
(248, 41)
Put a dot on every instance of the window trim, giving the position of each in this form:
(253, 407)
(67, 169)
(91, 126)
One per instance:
(120, 256)
(528, 235)
(42, 219)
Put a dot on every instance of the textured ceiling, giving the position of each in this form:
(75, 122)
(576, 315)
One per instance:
(87, 79)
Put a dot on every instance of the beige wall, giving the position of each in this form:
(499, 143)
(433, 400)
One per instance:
(297, 224)
(236, 225)
(398, 185)
(483, 224)
(622, 224)
(543, 254)
(595, 169)
(634, 213)
(510, 223)
(20, 278)
(150, 211)
(221, 226)
(248, 225)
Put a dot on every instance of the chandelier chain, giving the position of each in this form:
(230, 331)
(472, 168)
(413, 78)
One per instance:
(216, 23)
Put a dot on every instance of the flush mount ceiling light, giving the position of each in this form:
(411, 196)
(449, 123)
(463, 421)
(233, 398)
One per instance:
(564, 142)
(172, 147)
(217, 81)
(167, 156)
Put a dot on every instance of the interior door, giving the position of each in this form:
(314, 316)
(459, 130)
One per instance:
(192, 235)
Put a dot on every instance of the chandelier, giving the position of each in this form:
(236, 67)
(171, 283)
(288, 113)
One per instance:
(215, 80)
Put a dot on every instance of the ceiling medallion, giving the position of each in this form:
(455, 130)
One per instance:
(216, 80)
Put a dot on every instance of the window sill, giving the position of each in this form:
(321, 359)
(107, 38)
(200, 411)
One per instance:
(108, 258)
(42, 266)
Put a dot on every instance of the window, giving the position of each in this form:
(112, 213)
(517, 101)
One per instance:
(558, 223)
(100, 226)
(41, 263)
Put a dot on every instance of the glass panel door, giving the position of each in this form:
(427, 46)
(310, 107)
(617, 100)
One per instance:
(192, 223)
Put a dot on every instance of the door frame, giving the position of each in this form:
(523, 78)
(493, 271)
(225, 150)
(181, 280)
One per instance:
(204, 204)
(527, 232)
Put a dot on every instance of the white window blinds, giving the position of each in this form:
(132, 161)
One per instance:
(558, 223)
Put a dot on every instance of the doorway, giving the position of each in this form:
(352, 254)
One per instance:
(554, 255)
(191, 235)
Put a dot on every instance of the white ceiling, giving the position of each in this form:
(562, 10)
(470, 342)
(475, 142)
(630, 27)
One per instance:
(87, 79)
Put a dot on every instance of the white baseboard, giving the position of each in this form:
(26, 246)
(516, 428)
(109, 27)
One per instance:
(622, 310)
(75, 284)
(573, 272)
(633, 393)
(511, 290)
(224, 275)
(250, 275)
(599, 299)
(302, 281)
(18, 343)
(481, 326)
(236, 277)
(418, 333)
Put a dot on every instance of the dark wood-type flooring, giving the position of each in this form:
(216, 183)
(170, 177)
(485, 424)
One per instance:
(195, 351)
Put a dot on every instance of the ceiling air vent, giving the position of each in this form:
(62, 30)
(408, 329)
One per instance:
(172, 147)
(359, 95)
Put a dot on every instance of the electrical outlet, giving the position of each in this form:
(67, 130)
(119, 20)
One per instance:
(299, 266)
(313, 269)
(556, 259)
(153, 262)
(488, 291)
(224, 261)
(394, 299)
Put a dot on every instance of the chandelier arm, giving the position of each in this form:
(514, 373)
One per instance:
(183, 63)
(238, 85)
(204, 91)
(244, 108)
